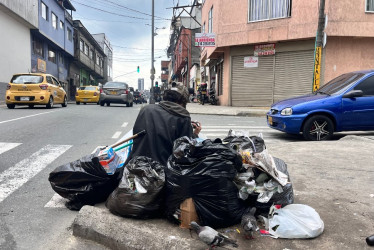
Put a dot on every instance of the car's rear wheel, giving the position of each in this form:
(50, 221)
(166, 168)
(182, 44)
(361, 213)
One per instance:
(65, 103)
(50, 103)
(84, 103)
(77, 103)
(318, 128)
(102, 103)
(132, 104)
(31, 106)
(11, 106)
(127, 104)
(108, 104)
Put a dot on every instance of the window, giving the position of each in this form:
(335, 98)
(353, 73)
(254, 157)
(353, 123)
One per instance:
(370, 5)
(367, 86)
(210, 24)
(91, 53)
(54, 21)
(81, 45)
(70, 34)
(61, 25)
(97, 60)
(49, 80)
(268, 9)
(51, 55)
(86, 49)
(60, 59)
(44, 11)
(37, 47)
(55, 82)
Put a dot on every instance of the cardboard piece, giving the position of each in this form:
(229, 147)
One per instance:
(188, 213)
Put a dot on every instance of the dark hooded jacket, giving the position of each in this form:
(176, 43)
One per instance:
(164, 123)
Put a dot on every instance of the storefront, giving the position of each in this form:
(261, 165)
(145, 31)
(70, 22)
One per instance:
(269, 77)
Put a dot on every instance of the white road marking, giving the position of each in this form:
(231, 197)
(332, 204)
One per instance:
(124, 124)
(14, 177)
(23, 117)
(235, 127)
(116, 135)
(7, 146)
(56, 201)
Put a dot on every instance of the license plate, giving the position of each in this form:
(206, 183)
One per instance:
(270, 120)
(85, 100)
(23, 98)
(113, 92)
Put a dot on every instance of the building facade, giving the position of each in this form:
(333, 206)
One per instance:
(165, 72)
(52, 47)
(108, 51)
(17, 18)
(265, 49)
(87, 67)
(140, 84)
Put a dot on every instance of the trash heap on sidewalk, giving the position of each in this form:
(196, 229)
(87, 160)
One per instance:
(216, 183)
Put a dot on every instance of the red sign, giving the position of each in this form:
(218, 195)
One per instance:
(264, 50)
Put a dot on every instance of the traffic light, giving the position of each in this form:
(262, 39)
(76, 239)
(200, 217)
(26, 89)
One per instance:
(138, 70)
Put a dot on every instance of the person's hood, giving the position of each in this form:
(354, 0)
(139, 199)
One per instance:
(174, 108)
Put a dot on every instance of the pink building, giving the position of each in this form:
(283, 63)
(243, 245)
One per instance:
(247, 74)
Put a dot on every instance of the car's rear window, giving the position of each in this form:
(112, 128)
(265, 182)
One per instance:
(26, 79)
(115, 85)
(87, 88)
(340, 83)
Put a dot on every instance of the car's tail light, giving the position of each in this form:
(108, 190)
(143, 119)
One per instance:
(126, 91)
(43, 86)
(101, 91)
(42, 98)
(95, 94)
(8, 86)
(8, 97)
(76, 93)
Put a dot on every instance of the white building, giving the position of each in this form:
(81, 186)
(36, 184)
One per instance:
(108, 51)
(17, 17)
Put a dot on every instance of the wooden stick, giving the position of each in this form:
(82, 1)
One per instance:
(143, 132)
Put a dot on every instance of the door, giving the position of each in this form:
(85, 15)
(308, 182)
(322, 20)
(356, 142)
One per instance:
(58, 93)
(358, 113)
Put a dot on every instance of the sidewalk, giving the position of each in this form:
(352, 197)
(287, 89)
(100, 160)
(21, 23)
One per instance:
(333, 177)
(208, 109)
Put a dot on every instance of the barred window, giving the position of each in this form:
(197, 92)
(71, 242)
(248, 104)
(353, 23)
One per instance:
(210, 24)
(269, 9)
(370, 5)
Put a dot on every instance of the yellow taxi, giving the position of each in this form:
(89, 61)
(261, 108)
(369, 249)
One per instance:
(87, 94)
(34, 89)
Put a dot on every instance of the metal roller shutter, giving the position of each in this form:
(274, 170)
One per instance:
(252, 86)
(293, 74)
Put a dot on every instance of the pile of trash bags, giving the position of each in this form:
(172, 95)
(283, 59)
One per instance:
(225, 179)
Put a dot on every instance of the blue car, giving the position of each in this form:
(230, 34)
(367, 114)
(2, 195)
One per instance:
(346, 103)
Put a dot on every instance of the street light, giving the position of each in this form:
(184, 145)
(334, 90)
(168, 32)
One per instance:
(152, 99)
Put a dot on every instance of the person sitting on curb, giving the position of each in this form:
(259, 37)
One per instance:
(164, 123)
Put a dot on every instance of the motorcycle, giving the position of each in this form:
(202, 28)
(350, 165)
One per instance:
(212, 94)
(202, 93)
(137, 98)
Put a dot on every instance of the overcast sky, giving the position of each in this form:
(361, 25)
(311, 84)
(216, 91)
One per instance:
(127, 25)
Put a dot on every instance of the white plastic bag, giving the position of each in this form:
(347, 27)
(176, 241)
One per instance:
(295, 221)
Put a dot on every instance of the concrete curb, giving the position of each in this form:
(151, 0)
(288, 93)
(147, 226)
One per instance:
(99, 225)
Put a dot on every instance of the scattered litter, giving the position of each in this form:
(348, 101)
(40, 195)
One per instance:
(371, 195)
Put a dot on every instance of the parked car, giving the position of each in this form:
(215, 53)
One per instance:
(34, 89)
(87, 94)
(346, 103)
(116, 92)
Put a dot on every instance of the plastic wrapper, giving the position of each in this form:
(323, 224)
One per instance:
(204, 171)
(140, 193)
(295, 221)
(83, 182)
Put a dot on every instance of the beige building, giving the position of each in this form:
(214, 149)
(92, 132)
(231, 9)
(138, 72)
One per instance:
(247, 74)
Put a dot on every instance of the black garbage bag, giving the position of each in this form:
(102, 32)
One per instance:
(83, 182)
(257, 144)
(140, 193)
(204, 171)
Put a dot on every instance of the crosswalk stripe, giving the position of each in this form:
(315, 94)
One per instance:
(124, 124)
(56, 201)
(4, 146)
(14, 177)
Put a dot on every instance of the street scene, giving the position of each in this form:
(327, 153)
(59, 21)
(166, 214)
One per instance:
(186, 124)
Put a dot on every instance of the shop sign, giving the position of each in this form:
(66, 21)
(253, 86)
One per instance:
(264, 49)
(250, 62)
(42, 65)
(205, 39)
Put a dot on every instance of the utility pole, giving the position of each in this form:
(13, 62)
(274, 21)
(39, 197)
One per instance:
(318, 47)
(152, 99)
